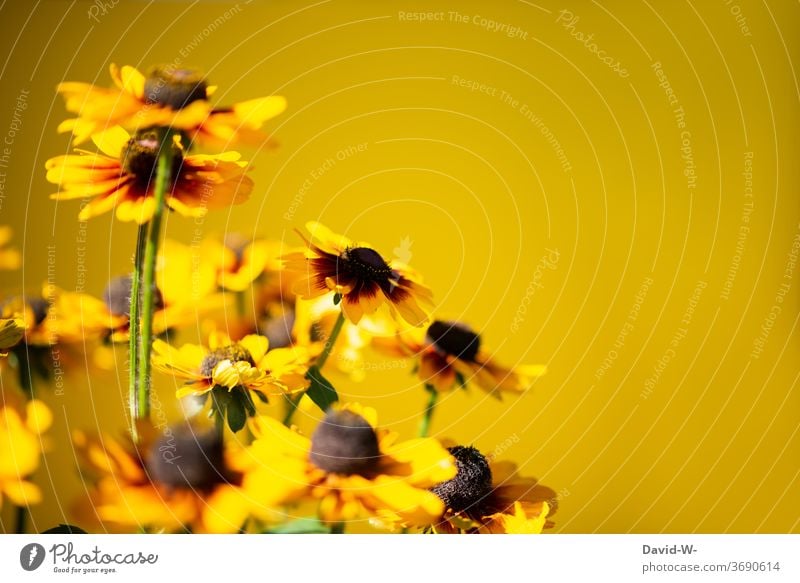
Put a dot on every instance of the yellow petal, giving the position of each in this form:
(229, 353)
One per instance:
(38, 417)
(22, 493)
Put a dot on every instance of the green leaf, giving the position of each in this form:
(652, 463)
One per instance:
(65, 529)
(320, 391)
(300, 526)
(237, 415)
(262, 397)
(336, 299)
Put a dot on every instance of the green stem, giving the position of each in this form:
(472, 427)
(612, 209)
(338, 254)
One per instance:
(425, 423)
(241, 304)
(21, 520)
(337, 528)
(293, 402)
(133, 328)
(162, 181)
(23, 354)
(326, 351)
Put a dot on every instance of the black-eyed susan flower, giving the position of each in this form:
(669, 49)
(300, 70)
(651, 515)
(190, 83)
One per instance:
(354, 469)
(121, 177)
(10, 257)
(21, 429)
(12, 331)
(450, 354)
(233, 371)
(490, 498)
(313, 322)
(241, 260)
(360, 276)
(166, 97)
(175, 479)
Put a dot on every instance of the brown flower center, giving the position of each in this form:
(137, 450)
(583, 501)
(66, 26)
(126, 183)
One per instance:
(185, 457)
(233, 352)
(175, 88)
(117, 296)
(345, 443)
(140, 157)
(366, 264)
(454, 339)
(472, 486)
(278, 328)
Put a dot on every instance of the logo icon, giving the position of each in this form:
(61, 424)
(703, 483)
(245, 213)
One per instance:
(31, 556)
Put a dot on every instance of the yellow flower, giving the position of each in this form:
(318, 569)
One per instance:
(450, 355)
(173, 309)
(37, 316)
(313, 323)
(359, 274)
(10, 258)
(352, 468)
(167, 96)
(176, 480)
(489, 498)
(12, 330)
(232, 371)
(240, 261)
(121, 177)
(20, 450)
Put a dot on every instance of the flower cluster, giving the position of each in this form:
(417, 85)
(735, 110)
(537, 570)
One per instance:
(247, 330)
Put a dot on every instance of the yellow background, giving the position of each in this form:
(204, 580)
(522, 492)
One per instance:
(479, 189)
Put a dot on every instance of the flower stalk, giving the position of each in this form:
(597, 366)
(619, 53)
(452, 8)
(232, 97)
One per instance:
(293, 402)
(427, 415)
(134, 346)
(148, 292)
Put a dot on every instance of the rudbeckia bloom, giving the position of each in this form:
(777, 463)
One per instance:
(234, 370)
(240, 260)
(122, 177)
(10, 258)
(354, 469)
(21, 449)
(174, 480)
(359, 274)
(12, 330)
(489, 498)
(451, 355)
(172, 97)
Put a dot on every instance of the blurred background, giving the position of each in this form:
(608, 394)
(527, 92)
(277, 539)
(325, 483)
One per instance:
(610, 189)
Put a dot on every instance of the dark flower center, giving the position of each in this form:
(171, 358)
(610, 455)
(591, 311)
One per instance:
(185, 457)
(175, 88)
(278, 328)
(366, 264)
(234, 353)
(345, 443)
(237, 243)
(117, 296)
(471, 487)
(455, 339)
(140, 156)
(39, 307)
